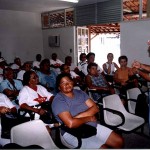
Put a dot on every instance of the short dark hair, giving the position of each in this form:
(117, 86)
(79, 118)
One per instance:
(82, 54)
(26, 77)
(62, 67)
(122, 57)
(44, 61)
(60, 76)
(91, 65)
(89, 54)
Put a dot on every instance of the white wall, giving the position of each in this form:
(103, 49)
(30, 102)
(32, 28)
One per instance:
(134, 37)
(20, 35)
(67, 43)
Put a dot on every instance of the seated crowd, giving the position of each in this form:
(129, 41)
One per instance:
(46, 87)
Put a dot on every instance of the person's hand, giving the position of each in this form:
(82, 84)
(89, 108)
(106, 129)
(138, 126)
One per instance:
(135, 70)
(93, 119)
(41, 111)
(123, 83)
(4, 110)
(136, 64)
(106, 88)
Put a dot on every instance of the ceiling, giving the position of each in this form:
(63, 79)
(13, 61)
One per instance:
(39, 6)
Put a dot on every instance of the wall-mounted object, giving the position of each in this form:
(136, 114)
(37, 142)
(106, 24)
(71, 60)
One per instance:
(54, 41)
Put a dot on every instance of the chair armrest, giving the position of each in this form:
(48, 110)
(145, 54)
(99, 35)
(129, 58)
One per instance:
(79, 139)
(117, 113)
(133, 100)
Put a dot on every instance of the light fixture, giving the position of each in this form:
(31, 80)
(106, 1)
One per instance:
(73, 1)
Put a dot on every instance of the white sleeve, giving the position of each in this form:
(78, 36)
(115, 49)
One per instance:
(43, 92)
(23, 96)
(6, 100)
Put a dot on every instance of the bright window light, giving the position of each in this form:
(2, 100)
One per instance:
(73, 1)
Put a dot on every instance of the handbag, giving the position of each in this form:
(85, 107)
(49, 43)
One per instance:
(83, 131)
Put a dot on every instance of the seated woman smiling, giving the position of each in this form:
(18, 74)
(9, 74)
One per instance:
(33, 94)
(74, 108)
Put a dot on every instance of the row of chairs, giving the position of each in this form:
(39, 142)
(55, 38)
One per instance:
(115, 116)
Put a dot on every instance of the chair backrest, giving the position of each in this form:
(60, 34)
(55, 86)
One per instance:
(132, 94)
(130, 123)
(32, 133)
(113, 102)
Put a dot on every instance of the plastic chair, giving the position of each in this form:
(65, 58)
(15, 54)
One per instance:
(115, 115)
(132, 95)
(32, 133)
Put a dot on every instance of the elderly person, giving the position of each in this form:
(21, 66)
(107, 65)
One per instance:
(26, 67)
(10, 86)
(36, 63)
(47, 77)
(124, 76)
(33, 94)
(6, 105)
(55, 63)
(97, 81)
(74, 108)
(90, 59)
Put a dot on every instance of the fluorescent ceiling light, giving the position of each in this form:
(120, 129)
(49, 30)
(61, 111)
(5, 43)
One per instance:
(73, 1)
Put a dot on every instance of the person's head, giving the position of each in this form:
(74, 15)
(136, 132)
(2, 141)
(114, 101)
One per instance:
(90, 57)
(92, 68)
(64, 68)
(26, 66)
(38, 57)
(83, 57)
(30, 78)
(64, 82)
(123, 60)
(110, 57)
(2, 62)
(68, 60)
(45, 65)
(8, 73)
(54, 56)
(17, 61)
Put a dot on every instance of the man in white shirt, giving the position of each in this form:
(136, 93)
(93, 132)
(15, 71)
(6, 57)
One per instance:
(55, 63)
(36, 63)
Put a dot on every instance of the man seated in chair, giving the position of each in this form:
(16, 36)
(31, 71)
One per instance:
(10, 86)
(97, 81)
(124, 76)
(6, 105)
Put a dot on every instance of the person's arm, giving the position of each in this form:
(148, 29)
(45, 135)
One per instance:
(40, 111)
(93, 109)
(11, 93)
(139, 65)
(4, 109)
(144, 75)
(91, 86)
(116, 66)
(107, 70)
